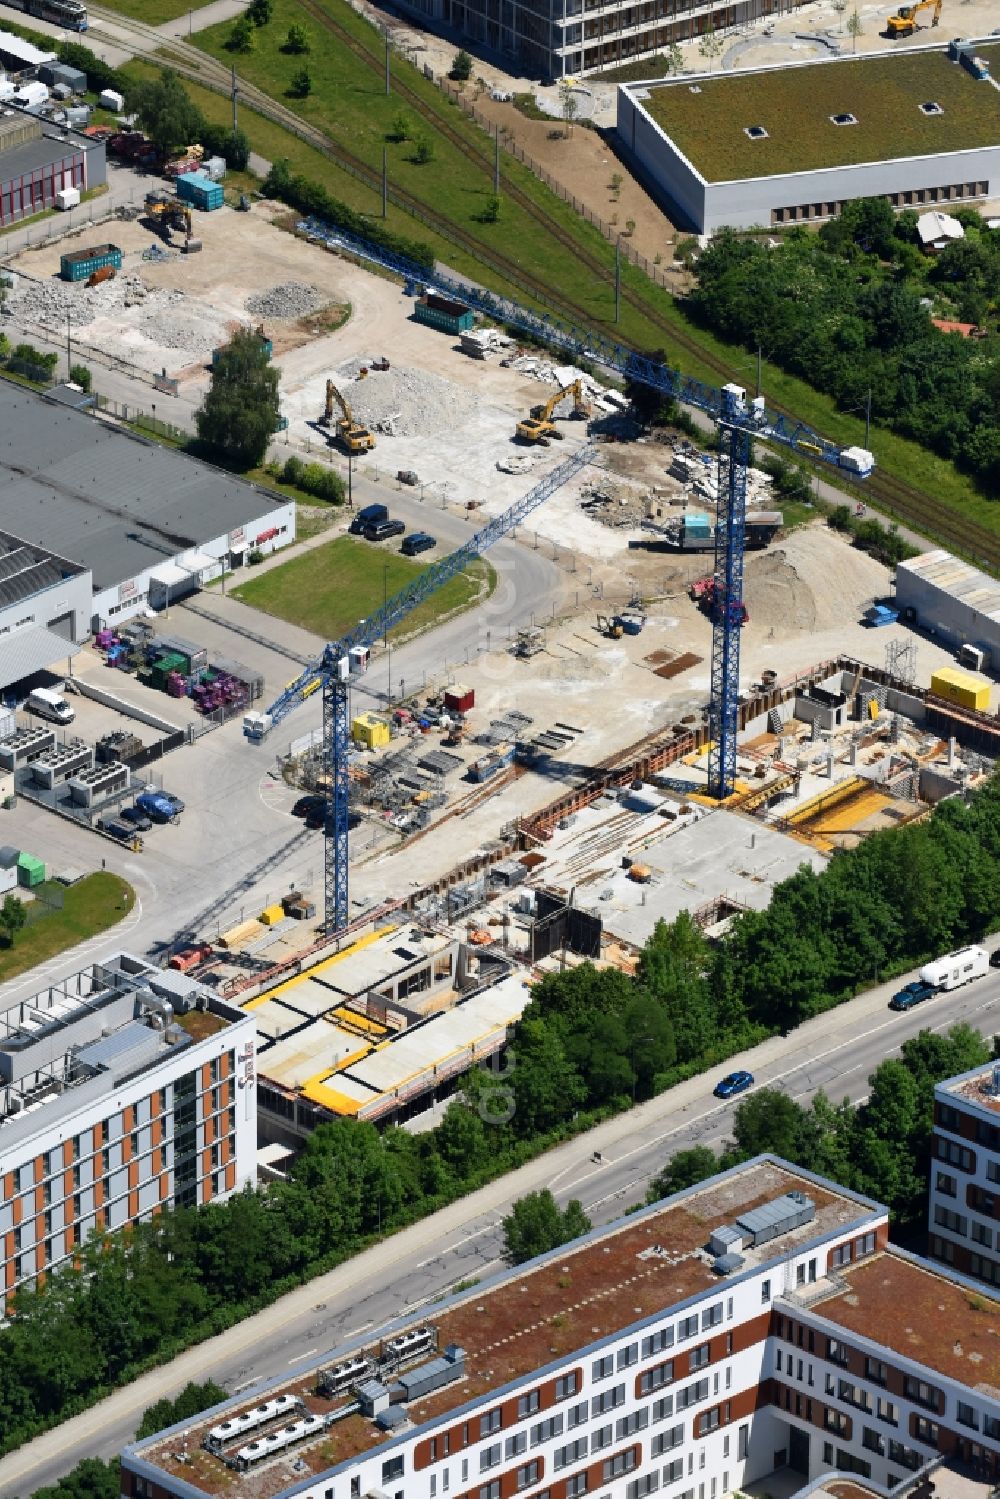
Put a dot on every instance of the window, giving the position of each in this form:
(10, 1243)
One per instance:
(490, 1490)
(608, 1400)
(528, 1475)
(628, 1355)
(602, 1437)
(840, 1254)
(836, 1421)
(980, 1234)
(527, 1404)
(920, 1392)
(956, 1223)
(392, 1468)
(836, 1352)
(621, 1463)
(765, 1290)
(656, 1378)
(873, 1440)
(954, 1154)
(663, 1409)
(711, 1316)
(708, 1421)
(666, 1441)
(698, 1357)
(490, 1457)
(844, 119)
(993, 1171)
(577, 1414)
(628, 1425)
(888, 1411)
(864, 1246)
(755, 132)
(691, 1394)
(967, 1416)
(639, 1487)
(544, 1431)
(576, 1485)
(566, 1385)
(657, 1342)
(908, 1456)
(991, 1427)
(876, 1371)
(602, 1367)
(777, 1362)
(490, 1423)
(687, 1327)
(949, 1117)
(925, 1431)
(515, 1445)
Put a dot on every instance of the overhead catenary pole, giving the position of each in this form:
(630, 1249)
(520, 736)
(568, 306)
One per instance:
(496, 165)
(758, 369)
(385, 186)
(387, 77)
(868, 419)
(235, 91)
(618, 279)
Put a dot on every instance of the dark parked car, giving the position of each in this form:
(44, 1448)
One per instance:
(995, 958)
(416, 542)
(160, 805)
(736, 1082)
(369, 515)
(117, 829)
(137, 817)
(383, 529)
(911, 994)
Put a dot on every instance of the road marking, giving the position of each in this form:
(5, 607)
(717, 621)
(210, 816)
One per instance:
(450, 1249)
(356, 1332)
(300, 1356)
(245, 1385)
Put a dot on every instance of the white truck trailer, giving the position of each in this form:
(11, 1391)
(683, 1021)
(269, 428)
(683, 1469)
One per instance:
(956, 968)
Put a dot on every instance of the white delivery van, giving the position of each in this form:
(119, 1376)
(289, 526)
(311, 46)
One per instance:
(50, 704)
(956, 968)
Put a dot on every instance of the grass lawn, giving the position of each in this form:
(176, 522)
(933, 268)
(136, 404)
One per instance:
(92, 905)
(795, 105)
(152, 12)
(330, 588)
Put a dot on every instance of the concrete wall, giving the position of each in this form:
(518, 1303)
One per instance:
(949, 618)
(666, 169)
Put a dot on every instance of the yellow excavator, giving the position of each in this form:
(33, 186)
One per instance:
(350, 434)
(904, 22)
(539, 426)
(166, 213)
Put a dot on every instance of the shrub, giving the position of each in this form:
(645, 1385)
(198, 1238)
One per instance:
(424, 151)
(241, 38)
(296, 41)
(461, 68)
(301, 85)
(80, 375)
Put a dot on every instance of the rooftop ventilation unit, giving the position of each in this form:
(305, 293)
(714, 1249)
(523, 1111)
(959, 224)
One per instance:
(931, 108)
(432, 1376)
(726, 1240)
(755, 132)
(844, 119)
(772, 1219)
(238, 1426)
(277, 1441)
(407, 1345)
(726, 1264)
(341, 1376)
(991, 1085)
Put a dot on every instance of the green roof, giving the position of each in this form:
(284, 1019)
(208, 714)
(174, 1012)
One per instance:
(795, 104)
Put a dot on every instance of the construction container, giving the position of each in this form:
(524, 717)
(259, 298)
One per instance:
(68, 197)
(271, 915)
(443, 313)
(459, 699)
(111, 100)
(60, 73)
(200, 191)
(214, 168)
(30, 871)
(496, 760)
(370, 730)
(78, 265)
(961, 688)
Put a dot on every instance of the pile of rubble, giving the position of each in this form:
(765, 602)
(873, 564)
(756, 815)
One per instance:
(602, 397)
(409, 403)
(164, 317)
(618, 505)
(292, 299)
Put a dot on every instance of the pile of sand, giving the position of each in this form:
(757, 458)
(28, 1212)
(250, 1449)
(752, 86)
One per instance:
(814, 580)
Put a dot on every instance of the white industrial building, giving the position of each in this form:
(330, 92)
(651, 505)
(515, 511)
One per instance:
(124, 1089)
(790, 144)
(45, 609)
(150, 524)
(952, 600)
(756, 1324)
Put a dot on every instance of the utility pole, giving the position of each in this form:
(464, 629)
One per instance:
(387, 81)
(385, 186)
(234, 98)
(618, 279)
(868, 419)
(69, 354)
(758, 369)
(496, 165)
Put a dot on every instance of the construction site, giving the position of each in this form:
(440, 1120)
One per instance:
(625, 730)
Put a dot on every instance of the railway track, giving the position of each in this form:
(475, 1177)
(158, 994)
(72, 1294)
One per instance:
(905, 502)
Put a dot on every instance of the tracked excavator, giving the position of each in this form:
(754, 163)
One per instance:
(350, 434)
(540, 427)
(166, 213)
(904, 22)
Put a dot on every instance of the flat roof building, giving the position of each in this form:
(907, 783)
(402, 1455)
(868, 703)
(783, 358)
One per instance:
(38, 159)
(782, 145)
(148, 522)
(755, 1322)
(951, 599)
(45, 603)
(124, 1089)
(964, 1207)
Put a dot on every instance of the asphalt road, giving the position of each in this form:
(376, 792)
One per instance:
(836, 1051)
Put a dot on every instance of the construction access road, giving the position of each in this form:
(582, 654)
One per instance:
(836, 1051)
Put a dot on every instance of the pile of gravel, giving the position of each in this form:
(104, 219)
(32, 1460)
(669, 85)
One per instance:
(409, 403)
(164, 317)
(289, 300)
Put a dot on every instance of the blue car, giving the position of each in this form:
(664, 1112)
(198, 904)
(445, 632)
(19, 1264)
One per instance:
(736, 1082)
(159, 805)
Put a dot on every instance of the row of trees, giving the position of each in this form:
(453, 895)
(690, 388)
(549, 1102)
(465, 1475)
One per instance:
(590, 1042)
(881, 1147)
(845, 309)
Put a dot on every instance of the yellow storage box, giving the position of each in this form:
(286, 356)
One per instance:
(961, 688)
(370, 730)
(271, 915)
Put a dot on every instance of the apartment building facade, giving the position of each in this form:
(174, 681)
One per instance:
(964, 1209)
(123, 1090)
(684, 1351)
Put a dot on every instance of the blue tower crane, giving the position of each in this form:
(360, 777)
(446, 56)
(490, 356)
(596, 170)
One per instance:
(345, 659)
(738, 423)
